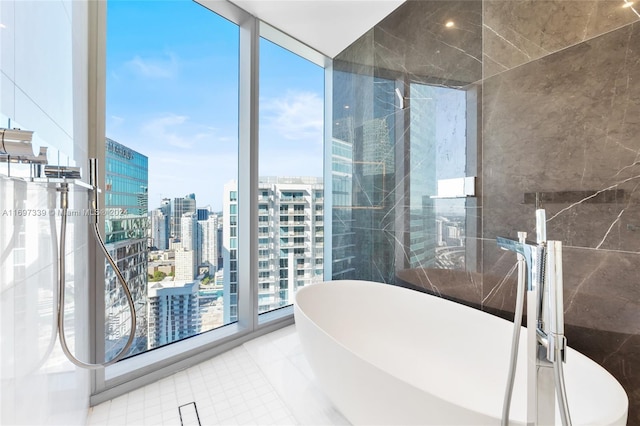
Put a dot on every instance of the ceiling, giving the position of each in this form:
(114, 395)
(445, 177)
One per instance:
(328, 26)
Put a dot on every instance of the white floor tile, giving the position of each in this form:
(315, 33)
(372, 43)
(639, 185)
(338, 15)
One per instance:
(266, 381)
(152, 420)
(100, 412)
(118, 420)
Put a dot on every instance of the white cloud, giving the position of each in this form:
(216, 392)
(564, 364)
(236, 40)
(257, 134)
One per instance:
(295, 116)
(165, 67)
(168, 129)
(115, 121)
(178, 131)
(291, 163)
(185, 156)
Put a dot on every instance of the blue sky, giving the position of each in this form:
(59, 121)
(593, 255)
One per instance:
(172, 95)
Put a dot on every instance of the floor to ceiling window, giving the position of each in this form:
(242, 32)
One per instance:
(192, 189)
(171, 150)
(290, 188)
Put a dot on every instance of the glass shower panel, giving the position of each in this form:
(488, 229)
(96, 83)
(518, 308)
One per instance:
(438, 155)
(171, 157)
(364, 177)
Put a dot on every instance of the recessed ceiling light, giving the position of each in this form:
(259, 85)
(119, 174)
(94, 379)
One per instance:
(449, 24)
(3, 26)
(346, 107)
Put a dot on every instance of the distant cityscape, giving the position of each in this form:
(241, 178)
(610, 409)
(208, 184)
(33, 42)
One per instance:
(180, 260)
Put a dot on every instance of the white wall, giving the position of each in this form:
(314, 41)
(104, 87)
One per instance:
(43, 88)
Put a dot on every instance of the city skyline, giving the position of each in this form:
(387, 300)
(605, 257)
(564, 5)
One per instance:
(172, 94)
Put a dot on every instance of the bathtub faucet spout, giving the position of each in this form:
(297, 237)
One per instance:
(533, 254)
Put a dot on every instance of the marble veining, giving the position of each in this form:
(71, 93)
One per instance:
(569, 122)
(516, 32)
(558, 115)
(548, 126)
(416, 40)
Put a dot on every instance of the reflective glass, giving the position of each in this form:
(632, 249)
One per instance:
(172, 143)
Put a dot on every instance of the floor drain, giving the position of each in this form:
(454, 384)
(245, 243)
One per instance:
(189, 414)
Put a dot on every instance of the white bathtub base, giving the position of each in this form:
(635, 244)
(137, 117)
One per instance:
(388, 355)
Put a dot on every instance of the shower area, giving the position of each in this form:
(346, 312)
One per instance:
(39, 385)
(453, 121)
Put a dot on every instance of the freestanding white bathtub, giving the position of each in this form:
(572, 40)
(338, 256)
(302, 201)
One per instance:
(388, 355)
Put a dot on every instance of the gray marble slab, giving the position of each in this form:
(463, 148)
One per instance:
(519, 31)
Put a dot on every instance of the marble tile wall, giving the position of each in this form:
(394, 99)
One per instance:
(569, 122)
(416, 41)
(558, 101)
(43, 88)
(521, 31)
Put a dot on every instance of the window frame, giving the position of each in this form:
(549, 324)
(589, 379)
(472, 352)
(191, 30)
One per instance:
(151, 366)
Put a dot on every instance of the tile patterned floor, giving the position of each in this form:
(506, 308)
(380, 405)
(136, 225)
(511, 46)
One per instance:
(266, 381)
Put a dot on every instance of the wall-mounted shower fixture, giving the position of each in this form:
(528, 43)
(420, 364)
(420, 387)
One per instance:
(401, 99)
(73, 173)
(62, 172)
(16, 147)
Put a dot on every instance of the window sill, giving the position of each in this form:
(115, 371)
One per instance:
(271, 317)
(169, 353)
(154, 365)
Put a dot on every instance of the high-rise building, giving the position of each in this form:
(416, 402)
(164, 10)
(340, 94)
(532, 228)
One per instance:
(185, 264)
(165, 207)
(202, 214)
(126, 232)
(423, 163)
(186, 204)
(159, 234)
(290, 240)
(219, 242)
(173, 311)
(364, 188)
(230, 251)
(188, 231)
(377, 151)
(190, 236)
(208, 238)
(343, 234)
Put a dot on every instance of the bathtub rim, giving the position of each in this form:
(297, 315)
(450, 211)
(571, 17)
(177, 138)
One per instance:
(624, 413)
(378, 369)
(374, 365)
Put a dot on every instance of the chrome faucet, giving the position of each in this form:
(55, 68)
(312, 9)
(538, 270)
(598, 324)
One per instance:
(546, 343)
(533, 255)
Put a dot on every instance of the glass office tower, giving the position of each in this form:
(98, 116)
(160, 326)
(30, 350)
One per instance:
(126, 230)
